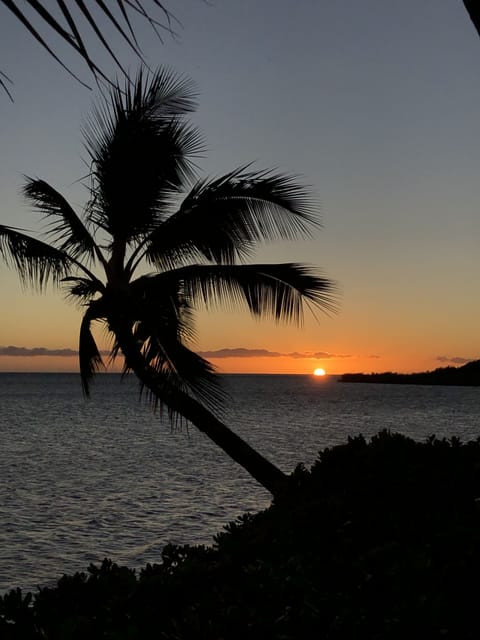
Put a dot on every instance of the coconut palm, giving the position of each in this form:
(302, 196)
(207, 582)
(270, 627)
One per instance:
(141, 150)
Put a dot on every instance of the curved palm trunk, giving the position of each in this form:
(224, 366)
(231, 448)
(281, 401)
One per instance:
(266, 473)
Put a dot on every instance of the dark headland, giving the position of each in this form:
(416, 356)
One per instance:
(467, 375)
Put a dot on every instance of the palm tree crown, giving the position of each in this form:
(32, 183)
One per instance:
(162, 253)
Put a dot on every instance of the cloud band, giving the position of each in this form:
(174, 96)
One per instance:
(241, 352)
(454, 360)
(36, 351)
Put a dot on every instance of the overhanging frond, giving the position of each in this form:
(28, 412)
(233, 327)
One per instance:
(72, 32)
(223, 219)
(271, 291)
(29, 25)
(65, 228)
(473, 10)
(3, 83)
(90, 359)
(36, 262)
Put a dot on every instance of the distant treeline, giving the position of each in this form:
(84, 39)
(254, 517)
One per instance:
(468, 375)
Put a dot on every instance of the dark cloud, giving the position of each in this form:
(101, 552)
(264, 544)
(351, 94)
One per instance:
(238, 352)
(241, 352)
(36, 351)
(323, 355)
(454, 360)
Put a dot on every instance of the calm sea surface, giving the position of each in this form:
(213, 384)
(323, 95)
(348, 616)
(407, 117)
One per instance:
(82, 480)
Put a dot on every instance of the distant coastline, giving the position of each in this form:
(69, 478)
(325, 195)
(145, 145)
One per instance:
(468, 375)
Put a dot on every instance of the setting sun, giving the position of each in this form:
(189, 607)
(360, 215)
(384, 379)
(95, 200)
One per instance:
(319, 372)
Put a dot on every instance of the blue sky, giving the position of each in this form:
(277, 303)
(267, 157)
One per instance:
(374, 104)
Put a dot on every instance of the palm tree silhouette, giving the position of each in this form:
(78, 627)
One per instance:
(141, 149)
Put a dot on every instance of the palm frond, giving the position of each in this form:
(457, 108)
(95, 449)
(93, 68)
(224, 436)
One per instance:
(36, 262)
(473, 11)
(66, 229)
(168, 356)
(161, 323)
(156, 25)
(149, 97)
(223, 219)
(140, 153)
(73, 38)
(90, 359)
(158, 96)
(82, 290)
(165, 371)
(162, 302)
(3, 83)
(12, 5)
(70, 33)
(270, 291)
(92, 22)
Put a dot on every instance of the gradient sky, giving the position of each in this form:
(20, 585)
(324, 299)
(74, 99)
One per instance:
(374, 103)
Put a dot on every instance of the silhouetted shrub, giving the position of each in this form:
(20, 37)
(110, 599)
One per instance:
(379, 540)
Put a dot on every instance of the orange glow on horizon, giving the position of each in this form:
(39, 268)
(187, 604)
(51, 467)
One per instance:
(404, 363)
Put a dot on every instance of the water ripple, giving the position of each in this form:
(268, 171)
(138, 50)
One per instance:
(82, 480)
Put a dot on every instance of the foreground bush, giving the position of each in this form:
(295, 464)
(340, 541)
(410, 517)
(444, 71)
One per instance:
(379, 540)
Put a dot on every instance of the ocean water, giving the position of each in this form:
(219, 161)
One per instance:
(86, 479)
